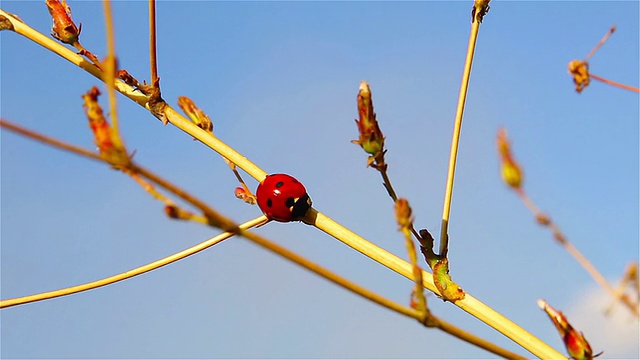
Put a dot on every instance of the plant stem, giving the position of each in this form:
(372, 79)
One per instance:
(380, 300)
(131, 273)
(176, 119)
(110, 67)
(49, 141)
(69, 55)
(614, 83)
(481, 343)
(392, 193)
(331, 276)
(215, 144)
(388, 186)
(213, 216)
(469, 304)
(559, 236)
(152, 41)
(600, 43)
(453, 154)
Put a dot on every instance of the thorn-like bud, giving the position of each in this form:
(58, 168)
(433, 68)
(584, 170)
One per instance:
(195, 114)
(63, 29)
(371, 139)
(577, 346)
(510, 170)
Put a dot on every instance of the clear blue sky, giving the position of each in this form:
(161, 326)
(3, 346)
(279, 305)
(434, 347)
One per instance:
(279, 80)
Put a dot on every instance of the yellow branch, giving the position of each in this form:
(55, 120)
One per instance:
(453, 154)
(175, 118)
(128, 274)
(469, 304)
(57, 48)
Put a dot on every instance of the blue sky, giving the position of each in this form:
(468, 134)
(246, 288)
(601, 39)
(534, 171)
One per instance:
(279, 80)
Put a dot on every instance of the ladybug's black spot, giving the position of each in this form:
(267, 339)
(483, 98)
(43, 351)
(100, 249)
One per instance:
(269, 203)
(290, 202)
(279, 184)
(295, 181)
(301, 206)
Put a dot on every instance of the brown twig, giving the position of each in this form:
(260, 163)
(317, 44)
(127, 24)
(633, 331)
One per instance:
(614, 83)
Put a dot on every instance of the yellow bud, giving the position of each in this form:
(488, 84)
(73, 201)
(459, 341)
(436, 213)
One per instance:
(511, 173)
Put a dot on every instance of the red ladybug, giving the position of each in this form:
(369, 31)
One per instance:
(283, 198)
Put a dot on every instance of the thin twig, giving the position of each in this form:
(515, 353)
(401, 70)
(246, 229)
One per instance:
(513, 176)
(629, 279)
(472, 339)
(404, 219)
(561, 239)
(152, 41)
(25, 30)
(131, 273)
(453, 154)
(213, 216)
(614, 83)
(49, 140)
(110, 66)
(600, 43)
(174, 117)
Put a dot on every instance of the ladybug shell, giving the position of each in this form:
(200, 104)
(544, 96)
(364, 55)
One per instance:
(282, 198)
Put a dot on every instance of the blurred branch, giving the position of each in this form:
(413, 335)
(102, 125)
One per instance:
(111, 66)
(513, 177)
(614, 83)
(629, 280)
(579, 69)
(469, 304)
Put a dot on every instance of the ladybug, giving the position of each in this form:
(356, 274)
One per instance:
(283, 198)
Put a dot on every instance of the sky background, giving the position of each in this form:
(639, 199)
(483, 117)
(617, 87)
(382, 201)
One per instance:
(279, 80)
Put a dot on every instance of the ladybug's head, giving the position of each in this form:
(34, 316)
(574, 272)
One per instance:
(299, 207)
